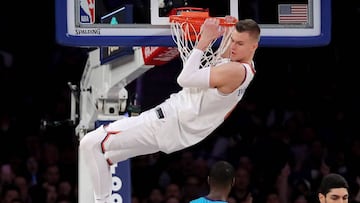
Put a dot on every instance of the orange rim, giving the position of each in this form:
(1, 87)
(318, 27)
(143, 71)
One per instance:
(195, 19)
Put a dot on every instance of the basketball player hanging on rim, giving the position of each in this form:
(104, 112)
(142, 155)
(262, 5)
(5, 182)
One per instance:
(207, 98)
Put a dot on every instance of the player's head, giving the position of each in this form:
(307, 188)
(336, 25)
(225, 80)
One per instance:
(333, 188)
(245, 40)
(221, 176)
(250, 26)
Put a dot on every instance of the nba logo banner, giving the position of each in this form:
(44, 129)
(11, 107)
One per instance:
(293, 13)
(87, 11)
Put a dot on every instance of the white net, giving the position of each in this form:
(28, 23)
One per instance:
(186, 38)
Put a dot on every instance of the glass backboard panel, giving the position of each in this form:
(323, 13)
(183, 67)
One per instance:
(284, 23)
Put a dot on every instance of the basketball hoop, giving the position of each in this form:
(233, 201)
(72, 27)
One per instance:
(186, 31)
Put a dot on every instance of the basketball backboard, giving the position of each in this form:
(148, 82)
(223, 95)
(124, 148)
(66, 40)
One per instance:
(284, 23)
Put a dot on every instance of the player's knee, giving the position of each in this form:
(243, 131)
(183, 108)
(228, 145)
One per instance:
(88, 142)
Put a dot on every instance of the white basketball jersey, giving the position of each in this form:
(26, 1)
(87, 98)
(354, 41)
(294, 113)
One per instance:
(199, 112)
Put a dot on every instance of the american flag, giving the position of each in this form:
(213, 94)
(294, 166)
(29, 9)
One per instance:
(293, 13)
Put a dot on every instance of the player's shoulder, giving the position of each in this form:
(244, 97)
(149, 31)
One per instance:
(205, 200)
(250, 66)
(235, 66)
(199, 200)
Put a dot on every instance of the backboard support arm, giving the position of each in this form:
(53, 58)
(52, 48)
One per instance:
(102, 92)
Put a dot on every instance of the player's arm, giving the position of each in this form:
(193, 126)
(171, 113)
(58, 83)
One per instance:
(192, 75)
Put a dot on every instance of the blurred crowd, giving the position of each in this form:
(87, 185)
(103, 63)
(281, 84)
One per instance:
(38, 148)
(298, 122)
